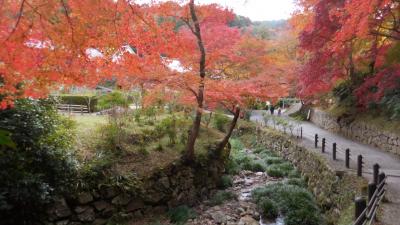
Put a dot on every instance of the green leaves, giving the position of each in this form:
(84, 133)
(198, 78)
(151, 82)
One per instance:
(5, 139)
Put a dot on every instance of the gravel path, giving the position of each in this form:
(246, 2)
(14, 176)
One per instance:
(390, 163)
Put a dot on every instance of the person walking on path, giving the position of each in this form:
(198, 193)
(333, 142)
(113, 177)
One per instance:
(272, 109)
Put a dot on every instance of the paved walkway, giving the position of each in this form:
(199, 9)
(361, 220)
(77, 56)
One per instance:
(390, 163)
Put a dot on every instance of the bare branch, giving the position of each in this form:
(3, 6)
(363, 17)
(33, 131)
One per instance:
(20, 12)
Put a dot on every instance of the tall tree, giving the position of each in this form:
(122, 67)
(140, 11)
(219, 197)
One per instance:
(343, 39)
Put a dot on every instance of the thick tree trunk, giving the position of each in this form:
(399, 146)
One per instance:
(194, 132)
(224, 142)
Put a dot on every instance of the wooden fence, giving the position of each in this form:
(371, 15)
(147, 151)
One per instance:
(73, 108)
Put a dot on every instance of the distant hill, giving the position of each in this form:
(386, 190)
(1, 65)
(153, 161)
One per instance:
(262, 29)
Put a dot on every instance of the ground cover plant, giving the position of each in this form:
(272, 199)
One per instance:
(294, 202)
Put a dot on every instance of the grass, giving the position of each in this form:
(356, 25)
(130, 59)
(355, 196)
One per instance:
(347, 216)
(138, 145)
(88, 123)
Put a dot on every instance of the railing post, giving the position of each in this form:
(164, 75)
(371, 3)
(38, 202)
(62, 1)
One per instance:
(359, 165)
(316, 140)
(360, 205)
(347, 158)
(323, 145)
(334, 151)
(301, 132)
(376, 172)
(371, 190)
(381, 178)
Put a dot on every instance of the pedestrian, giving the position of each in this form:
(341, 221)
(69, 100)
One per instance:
(272, 109)
(279, 111)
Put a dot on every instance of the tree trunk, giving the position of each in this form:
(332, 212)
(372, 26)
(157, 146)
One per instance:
(200, 94)
(224, 142)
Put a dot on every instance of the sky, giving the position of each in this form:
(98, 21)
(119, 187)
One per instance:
(258, 10)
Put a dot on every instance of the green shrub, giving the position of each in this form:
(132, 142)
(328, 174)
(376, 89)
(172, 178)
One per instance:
(88, 100)
(40, 165)
(222, 196)
(274, 171)
(269, 209)
(302, 217)
(258, 166)
(290, 200)
(225, 182)
(181, 214)
(169, 127)
(391, 103)
(296, 182)
(273, 160)
(294, 174)
(236, 145)
(113, 99)
(232, 167)
(279, 170)
(220, 121)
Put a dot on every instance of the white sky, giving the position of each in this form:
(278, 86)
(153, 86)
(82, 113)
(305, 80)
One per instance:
(258, 9)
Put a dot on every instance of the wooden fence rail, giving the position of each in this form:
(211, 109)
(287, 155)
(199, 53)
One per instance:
(73, 108)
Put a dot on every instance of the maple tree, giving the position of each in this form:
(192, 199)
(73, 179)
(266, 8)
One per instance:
(343, 39)
(51, 43)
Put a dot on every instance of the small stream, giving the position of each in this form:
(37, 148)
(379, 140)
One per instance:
(241, 211)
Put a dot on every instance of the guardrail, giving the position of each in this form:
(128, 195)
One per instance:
(365, 214)
(73, 108)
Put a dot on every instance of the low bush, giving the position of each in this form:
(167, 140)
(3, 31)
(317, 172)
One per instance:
(279, 170)
(232, 167)
(39, 165)
(273, 160)
(225, 182)
(269, 209)
(181, 214)
(221, 197)
(295, 203)
(294, 174)
(113, 99)
(258, 166)
(296, 182)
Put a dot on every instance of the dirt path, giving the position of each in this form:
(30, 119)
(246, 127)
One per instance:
(390, 163)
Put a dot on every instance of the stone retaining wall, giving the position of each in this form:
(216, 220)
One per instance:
(334, 190)
(175, 185)
(356, 130)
